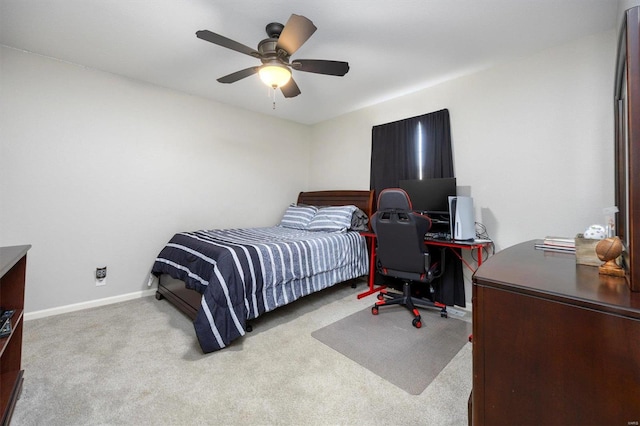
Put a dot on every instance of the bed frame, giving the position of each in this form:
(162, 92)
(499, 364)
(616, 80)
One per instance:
(188, 301)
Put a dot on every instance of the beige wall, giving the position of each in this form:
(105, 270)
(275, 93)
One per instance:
(532, 140)
(99, 170)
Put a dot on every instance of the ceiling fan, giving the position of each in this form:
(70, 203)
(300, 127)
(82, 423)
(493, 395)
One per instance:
(275, 54)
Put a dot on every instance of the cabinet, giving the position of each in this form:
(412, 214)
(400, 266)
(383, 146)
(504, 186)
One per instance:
(13, 262)
(553, 342)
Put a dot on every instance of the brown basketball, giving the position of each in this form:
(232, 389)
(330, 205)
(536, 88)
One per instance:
(609, 248)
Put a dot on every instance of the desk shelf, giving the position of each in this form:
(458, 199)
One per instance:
(13, 262)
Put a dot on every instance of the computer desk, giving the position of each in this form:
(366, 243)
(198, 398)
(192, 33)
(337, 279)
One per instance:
(452, 244)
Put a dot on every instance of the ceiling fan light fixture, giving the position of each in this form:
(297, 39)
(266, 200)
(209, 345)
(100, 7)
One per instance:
(275, 75)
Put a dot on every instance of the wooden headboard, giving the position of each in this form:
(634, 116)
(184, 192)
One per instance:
(364, 200)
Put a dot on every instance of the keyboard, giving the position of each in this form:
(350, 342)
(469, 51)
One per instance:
(445, 236)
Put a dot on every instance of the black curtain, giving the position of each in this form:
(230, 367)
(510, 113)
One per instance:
(396, 149)
(414, 148)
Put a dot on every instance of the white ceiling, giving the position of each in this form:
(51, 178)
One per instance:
(393, 48)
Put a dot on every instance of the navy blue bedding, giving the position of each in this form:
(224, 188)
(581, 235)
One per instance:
(243, 273)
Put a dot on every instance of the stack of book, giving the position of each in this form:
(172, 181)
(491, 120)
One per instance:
(561, 244)
(5, 322)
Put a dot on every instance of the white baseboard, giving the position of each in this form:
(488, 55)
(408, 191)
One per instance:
(86, 305)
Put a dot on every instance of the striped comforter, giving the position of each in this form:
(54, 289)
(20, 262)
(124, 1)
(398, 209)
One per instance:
(243, 273)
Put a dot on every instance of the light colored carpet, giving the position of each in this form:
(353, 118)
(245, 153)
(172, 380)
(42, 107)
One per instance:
(139, 363)
(389, 345)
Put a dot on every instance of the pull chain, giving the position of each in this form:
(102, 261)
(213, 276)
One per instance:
(274, 97)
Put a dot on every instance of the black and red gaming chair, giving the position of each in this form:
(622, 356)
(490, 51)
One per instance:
(401, 253)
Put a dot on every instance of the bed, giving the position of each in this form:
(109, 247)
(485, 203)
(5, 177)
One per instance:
(222, 279)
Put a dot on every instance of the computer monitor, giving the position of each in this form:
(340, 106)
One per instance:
(430, 195)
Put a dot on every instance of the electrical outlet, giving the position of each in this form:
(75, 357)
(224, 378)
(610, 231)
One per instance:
(101, 276)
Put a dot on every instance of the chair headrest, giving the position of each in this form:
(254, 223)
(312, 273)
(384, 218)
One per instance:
(394, 198)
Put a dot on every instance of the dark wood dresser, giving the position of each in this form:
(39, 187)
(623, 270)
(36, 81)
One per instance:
(554, 343)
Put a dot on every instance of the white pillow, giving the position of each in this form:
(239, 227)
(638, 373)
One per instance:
(334, 218)
(298, 217)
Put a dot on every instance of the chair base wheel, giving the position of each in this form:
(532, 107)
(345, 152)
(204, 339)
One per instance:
(374, 310)
(417, 323)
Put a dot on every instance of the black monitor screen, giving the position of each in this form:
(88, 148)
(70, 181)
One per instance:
(430, 195)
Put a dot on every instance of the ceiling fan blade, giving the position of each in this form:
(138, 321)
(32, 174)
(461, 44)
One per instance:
(296, 31)
(320, 66)
(227, 42)
(239, 75)
(291, 89)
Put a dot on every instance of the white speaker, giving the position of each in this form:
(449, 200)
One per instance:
(462, 218)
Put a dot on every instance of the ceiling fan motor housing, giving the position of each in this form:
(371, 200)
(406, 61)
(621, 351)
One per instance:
(269, 50)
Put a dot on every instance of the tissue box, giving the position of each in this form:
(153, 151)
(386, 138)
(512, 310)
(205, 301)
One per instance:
(586, 251)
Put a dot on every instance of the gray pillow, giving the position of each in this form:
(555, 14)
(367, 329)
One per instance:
(359, 221)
